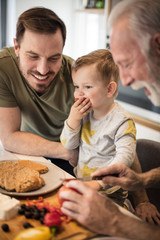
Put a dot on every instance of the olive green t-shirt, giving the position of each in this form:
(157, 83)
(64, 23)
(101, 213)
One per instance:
(43, 115)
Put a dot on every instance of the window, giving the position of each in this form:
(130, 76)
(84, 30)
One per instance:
(3, 10)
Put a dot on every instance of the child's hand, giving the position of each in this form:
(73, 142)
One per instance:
(93, 184)
(78, 110)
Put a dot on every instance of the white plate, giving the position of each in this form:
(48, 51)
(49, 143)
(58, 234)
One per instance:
(52, 181)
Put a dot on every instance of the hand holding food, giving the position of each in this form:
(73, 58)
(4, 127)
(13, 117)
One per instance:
(79, 110)
(63, 189)
(120, 174)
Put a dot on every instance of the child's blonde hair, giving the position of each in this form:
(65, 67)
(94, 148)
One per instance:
(104, 63)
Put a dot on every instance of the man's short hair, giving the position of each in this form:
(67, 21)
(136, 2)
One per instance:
(39, 20)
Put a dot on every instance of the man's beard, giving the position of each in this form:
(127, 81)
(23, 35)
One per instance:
(153, 82)
(41, 88)
(153, 88)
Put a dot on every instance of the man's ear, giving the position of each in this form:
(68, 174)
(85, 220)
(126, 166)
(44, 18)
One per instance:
(111, 89)
(16, 46)
(156, 43)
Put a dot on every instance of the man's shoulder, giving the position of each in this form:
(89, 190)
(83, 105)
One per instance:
(8, 61)
(67, 59)
(66, 66)
(7, 52)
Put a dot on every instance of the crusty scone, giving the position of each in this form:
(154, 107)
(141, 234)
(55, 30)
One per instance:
(28, 179)
(5, 169)
(34, 165)
(14, 177)
(9, 177)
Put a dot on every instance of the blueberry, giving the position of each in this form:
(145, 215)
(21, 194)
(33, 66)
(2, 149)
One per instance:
(27, 225)
(27, 208)
(36, 215)
(41, 220)
(44, 210)
(28, 214)
(34, 208)
(5, 227)
(23, 206)
(21, 211)
(42, 214)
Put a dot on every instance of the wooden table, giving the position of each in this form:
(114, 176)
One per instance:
(70, 231)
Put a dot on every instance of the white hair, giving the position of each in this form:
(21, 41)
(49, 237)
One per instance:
(143, 19)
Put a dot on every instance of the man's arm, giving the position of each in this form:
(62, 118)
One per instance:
(151, 178)
(99, 214)
(143, 207)
(27, 143)
(127, 178)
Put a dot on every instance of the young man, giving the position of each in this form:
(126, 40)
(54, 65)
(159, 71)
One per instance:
(36, 90)
(136, 50)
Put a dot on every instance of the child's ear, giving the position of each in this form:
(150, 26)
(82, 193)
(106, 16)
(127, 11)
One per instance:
(111, 89)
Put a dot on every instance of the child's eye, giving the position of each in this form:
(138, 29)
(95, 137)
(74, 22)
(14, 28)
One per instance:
(88, 87)
(76, 87)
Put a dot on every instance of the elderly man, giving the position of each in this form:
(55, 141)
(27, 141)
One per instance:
(135, 45)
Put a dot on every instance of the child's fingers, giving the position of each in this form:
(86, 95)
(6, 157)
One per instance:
(81, 101)
(86, 108)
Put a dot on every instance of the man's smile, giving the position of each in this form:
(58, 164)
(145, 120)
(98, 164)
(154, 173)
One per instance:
(41, 78)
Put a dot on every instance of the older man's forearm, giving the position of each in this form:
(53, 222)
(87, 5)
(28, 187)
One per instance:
(131, 228)
(151, 178)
